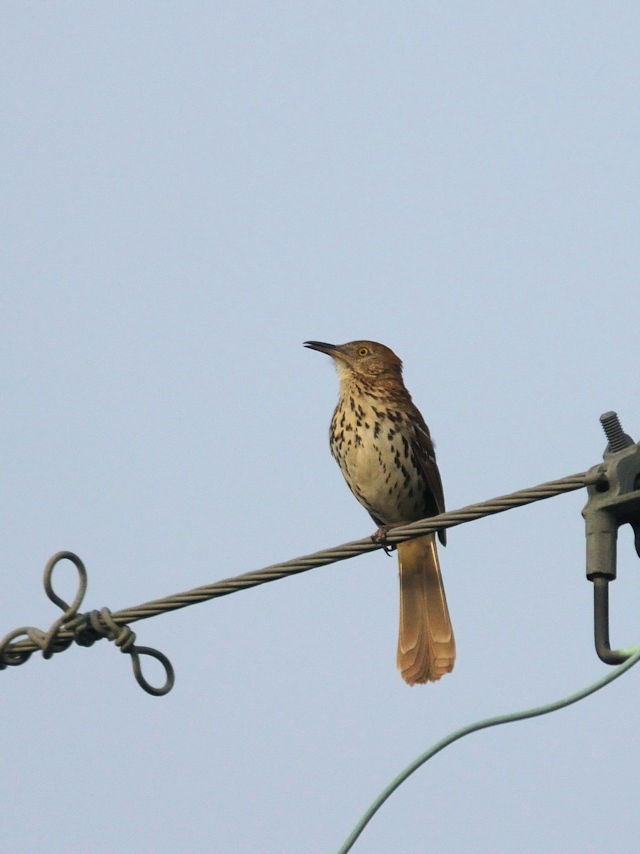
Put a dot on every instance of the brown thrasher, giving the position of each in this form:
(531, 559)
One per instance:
(386, 454)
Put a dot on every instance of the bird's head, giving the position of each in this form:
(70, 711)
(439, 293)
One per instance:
(367, 360)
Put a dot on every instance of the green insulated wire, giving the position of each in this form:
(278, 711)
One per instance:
(634, 653)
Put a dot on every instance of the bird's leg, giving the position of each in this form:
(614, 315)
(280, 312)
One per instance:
(380, 537)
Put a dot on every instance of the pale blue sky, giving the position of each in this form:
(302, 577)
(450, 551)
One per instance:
(191, 190)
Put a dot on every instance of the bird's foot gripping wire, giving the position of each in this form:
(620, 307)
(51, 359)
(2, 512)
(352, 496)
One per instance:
(380, 538)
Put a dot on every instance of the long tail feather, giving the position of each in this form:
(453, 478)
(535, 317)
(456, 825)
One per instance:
(426, 646)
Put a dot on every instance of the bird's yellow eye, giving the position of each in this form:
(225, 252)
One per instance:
(363, 351)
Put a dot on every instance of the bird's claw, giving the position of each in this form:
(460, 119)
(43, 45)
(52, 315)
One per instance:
(380, 538)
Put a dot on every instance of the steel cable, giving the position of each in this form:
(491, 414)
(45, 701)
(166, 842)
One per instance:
(18, 648)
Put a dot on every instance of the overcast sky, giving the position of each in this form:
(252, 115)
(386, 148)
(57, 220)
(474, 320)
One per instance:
(189, 191)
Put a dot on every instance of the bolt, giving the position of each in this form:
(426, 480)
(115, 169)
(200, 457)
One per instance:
(618, 439)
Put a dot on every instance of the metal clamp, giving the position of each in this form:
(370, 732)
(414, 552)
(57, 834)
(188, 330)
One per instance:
(614, 500)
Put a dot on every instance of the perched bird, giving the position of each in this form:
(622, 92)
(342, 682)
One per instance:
(386, 454)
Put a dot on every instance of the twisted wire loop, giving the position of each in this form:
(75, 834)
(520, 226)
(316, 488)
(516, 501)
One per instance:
(83, 629)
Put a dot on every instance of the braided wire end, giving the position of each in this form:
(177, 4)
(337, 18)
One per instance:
(83, 629)
(102, 623)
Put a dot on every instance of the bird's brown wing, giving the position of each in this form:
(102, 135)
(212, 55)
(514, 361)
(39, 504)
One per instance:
(424, 451)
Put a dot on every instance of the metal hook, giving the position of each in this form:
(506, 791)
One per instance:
(614, 500)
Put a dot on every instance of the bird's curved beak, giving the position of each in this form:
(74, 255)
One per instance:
(329, 349)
